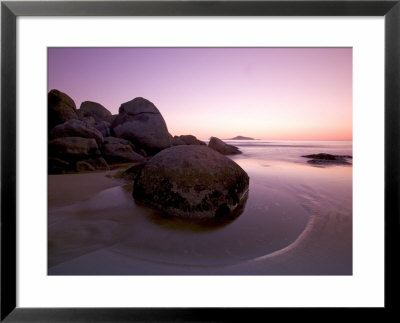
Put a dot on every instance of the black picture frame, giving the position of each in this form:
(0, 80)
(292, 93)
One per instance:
(10, 10)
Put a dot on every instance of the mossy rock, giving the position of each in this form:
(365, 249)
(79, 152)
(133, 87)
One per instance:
(192, 182)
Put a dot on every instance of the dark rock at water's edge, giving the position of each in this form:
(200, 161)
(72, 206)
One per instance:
(95, 110)
(241, 138)
(326, 159)
(60, 108)
(186, 140)
(140, 122)
(222, 147)
(192, 182)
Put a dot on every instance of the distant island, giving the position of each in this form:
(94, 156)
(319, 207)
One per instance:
(241, 138)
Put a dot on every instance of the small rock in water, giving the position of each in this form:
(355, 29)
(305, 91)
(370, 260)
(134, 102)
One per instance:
(322, 159)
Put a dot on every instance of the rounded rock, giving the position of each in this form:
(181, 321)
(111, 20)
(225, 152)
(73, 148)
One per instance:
(140, 122)
(193, 182)
(95, 110)
(61, 108)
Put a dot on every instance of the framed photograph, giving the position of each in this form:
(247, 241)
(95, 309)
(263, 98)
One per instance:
(197, 161)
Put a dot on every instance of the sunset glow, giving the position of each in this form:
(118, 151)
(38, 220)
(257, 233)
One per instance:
(264, 93)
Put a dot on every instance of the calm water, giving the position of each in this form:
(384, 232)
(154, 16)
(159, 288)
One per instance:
(297, 220)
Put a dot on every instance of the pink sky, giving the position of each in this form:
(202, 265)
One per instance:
(265, 93)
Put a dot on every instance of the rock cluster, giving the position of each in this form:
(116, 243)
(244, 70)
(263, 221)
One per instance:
(91, 138)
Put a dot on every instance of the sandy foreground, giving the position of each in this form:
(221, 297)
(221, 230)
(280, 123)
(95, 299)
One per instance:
(95, 228)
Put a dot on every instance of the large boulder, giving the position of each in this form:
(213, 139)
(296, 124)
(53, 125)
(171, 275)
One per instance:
(73, 148)
(222, 147)
(60, 108)
(117, 150)
(77, 128)
(93, 109)
(192, 181)
(140, 122)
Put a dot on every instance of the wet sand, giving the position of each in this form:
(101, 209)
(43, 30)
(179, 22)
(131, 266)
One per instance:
(292, 224)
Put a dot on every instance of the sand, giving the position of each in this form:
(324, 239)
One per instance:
(72, 188)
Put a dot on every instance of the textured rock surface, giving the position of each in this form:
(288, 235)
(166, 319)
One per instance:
(192, 181)
(117, 150)
(83, 166)
(191, 140)
(186, 140)
(73, 148)
(57, 166)
(176, 141)
(88, 120)
(131, 173)
(103, 127)
(222, 147)
(77, 128)
(111, 118)
(140, 122)
(98, 163)
(93, 109)
(61, 108)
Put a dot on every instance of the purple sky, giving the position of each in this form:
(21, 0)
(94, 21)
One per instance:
(266, 93)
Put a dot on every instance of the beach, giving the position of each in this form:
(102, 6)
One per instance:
(297, 220)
